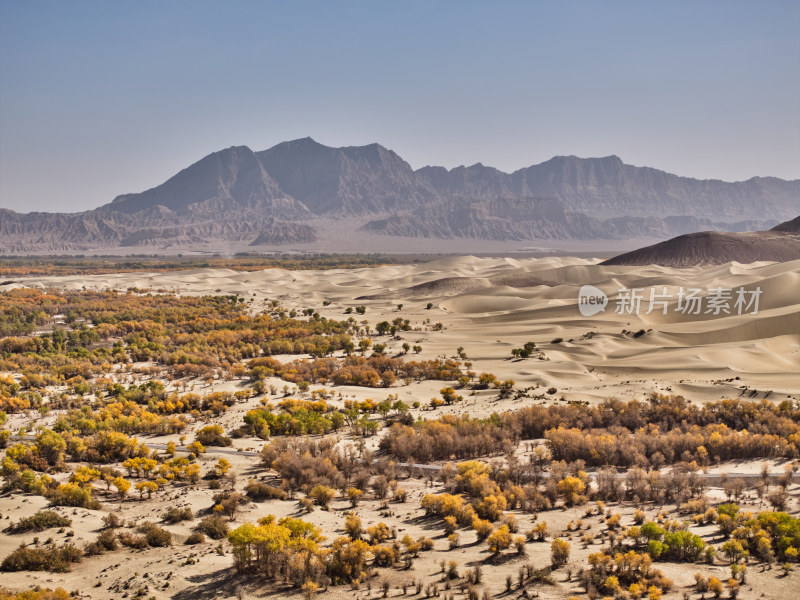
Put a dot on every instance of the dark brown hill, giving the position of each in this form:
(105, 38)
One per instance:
(714, 248)
(792, 226)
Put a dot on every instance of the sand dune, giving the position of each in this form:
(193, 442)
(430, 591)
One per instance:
(490, 306)
(445, 286)
(448, 286)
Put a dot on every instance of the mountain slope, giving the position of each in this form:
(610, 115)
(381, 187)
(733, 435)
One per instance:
(278, 232)
(791, 226)
(227, 195)
(231, 179)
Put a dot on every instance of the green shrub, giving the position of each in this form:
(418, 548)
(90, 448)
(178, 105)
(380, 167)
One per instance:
(56, 559)
(212, 435)
(112, 520)
(40, 521)
(214, 527)
(106, 540)
(154, 535)
(681, 546)
(176, 515)
(137, 542)
(195, 538)
(257, 490)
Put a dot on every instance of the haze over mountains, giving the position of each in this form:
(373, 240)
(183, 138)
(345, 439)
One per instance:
(289, 194)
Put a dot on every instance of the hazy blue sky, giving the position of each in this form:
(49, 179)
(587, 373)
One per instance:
(103, 98)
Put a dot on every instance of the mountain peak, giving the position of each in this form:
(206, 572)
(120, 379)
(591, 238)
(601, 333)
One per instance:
(571, 158)
(303, 145)
(234, 150)
(346, 180)
(306, 141)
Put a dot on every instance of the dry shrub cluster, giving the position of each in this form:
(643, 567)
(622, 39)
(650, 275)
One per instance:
(51, 558)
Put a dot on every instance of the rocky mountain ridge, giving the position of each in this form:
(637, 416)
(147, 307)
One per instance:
(278, 197)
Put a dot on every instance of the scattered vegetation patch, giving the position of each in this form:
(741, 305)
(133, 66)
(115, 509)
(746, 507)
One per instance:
(40, 521)
(176, 515)
(154, 535)
(36, 593)
(214, 527)
(260, 491)
(56, 559)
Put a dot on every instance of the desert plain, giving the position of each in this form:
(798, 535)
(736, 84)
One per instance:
(475, 311)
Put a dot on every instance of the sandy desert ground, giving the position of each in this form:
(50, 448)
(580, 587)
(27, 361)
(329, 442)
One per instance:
(487, 307)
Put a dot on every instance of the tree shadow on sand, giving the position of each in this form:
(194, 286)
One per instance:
(208, 585)
(426, 522)
(227, 582)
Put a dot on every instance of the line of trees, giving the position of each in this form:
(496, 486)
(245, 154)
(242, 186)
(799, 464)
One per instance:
(374, 371)
(659, 431)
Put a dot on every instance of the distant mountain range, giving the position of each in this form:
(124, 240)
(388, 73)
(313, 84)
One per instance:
(286, 195)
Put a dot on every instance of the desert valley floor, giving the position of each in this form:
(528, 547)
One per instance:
(480, 309)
